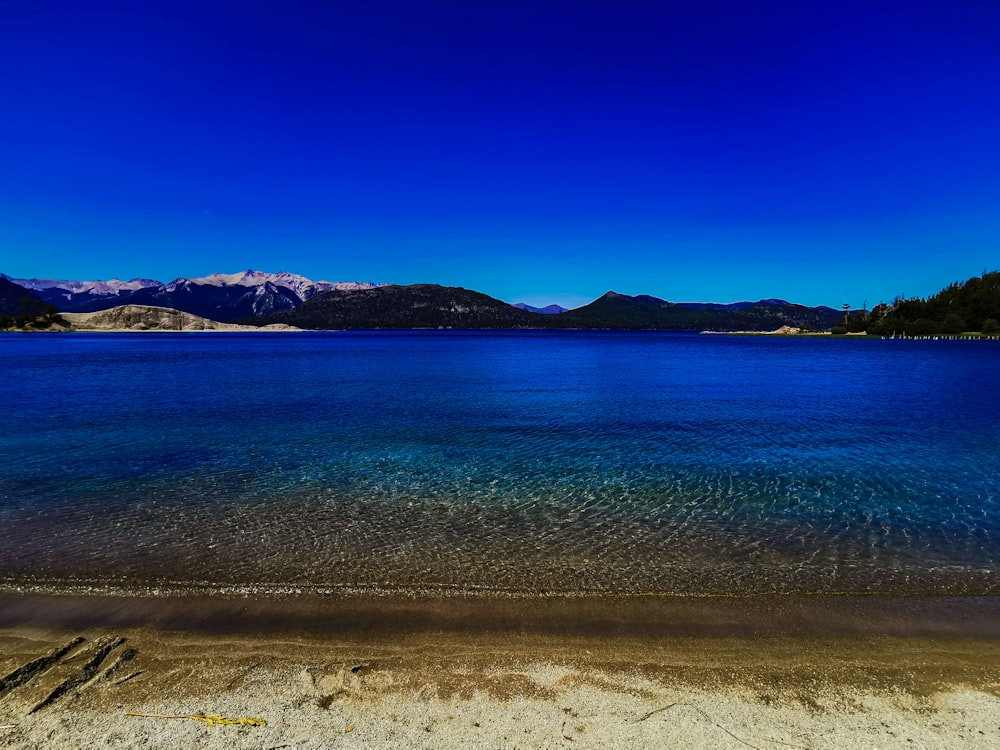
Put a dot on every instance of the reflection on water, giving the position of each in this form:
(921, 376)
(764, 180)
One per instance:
(534, 462)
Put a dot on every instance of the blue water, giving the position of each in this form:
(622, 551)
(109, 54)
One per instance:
(521, 462)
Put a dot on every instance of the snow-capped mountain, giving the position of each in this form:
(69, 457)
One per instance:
(304, 288)
(66, 294)
(68, 288)
(218, 296)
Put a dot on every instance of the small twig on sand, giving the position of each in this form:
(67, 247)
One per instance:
(155, 716)
(211, 720)
(653, 713)
(565, 736)
(713, 721)
(8, 726)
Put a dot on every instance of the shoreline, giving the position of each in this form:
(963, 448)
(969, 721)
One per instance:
(500, 673)
(791, 615)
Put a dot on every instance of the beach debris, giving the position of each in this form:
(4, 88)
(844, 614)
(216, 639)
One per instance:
(99, 652)
(66, 658)
(128, 677)
(210, 719)
(31, 670)
(717, 724)
(8, 726)
(124, 660)
(653, 713)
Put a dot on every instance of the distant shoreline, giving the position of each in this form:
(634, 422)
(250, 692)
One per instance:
(225, 328)
(786, 332)
(149, 319)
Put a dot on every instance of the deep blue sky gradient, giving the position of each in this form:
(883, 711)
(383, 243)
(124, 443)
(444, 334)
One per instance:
(823, 152)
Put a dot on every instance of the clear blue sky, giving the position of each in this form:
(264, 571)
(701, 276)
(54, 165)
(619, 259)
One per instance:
(823, 152)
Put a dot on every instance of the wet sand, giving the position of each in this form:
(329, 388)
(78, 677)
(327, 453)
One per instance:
(395, 612)
(817, 672)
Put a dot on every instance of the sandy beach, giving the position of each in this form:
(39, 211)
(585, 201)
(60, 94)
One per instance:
(465, 674)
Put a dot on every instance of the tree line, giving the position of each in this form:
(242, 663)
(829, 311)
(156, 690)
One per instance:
(34, 314)
(963, 307)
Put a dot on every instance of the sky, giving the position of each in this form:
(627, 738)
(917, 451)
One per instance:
(542, 151)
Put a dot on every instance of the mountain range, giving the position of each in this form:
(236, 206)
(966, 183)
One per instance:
(547, 310)
(413, 306)
(433, 306)
(259, 298)
(613, 310)
(222, 297)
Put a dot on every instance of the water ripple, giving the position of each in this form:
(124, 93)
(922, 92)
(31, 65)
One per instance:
(534, 462)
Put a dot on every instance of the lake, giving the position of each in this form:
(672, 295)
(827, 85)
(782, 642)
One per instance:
(513, 462)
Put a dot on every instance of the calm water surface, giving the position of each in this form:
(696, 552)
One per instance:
(524, 462)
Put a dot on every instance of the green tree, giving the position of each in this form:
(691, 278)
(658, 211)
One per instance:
(952, 323)
(922, 327)
(34, 314)
(877, 320)
(991, 327)
(858, 321)
(30, 305)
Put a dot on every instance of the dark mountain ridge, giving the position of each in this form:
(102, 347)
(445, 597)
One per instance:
(643, 311)
(21, 308)
(259, 298)
(16, 299)
(434, 306)
(414, 306)
(744, 305)
(547, 310)
(222, 303)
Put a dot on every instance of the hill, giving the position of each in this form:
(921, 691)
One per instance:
(642, 311)
(414, 306)
(433, 306)
(144, 318)
(547, 310)
(14, 297)
(20, 307)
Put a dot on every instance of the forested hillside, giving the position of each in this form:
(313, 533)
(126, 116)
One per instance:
(963, 307)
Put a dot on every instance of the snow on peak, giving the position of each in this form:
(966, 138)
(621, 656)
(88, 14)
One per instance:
(246, 278)
(302, 287)
(97, 287)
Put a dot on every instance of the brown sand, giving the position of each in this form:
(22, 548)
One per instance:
(377, 678)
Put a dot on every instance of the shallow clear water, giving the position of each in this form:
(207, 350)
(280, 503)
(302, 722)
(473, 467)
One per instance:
(536, 461)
